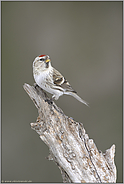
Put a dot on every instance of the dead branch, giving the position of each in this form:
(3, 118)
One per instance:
(70, 147)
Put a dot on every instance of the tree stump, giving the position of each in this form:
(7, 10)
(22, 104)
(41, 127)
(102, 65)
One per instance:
(70, 147)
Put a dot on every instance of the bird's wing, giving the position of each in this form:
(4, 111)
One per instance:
(60, 81)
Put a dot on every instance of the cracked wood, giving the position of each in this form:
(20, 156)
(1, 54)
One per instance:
(70, 147)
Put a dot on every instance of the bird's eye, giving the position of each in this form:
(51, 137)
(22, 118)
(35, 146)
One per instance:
(41, 59)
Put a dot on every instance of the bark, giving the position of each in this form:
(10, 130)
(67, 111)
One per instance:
(70, 147)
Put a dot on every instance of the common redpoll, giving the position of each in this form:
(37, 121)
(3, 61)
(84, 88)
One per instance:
(52, 81)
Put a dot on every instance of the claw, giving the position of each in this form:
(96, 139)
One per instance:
(35, 85)
(49, 101)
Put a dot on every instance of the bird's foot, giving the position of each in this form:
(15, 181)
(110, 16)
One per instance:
(35, 85)
(50, 102)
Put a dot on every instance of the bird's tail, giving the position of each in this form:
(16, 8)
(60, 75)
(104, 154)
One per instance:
(78, 98)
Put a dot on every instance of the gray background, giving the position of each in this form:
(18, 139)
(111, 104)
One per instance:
(84, 41)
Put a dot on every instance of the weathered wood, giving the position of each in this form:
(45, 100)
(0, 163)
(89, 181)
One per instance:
(70, 147)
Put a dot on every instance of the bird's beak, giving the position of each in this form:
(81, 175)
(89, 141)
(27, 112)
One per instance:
(47, 60)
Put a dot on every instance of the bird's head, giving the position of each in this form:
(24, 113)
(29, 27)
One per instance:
(41, 63)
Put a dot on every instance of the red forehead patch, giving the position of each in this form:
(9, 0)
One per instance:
(42, 55)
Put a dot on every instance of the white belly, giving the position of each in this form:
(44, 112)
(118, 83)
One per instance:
(41, 81)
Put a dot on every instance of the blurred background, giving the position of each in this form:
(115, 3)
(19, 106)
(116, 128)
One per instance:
(84, 41)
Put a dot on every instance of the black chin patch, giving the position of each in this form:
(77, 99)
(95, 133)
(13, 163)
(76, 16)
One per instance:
(47, 65)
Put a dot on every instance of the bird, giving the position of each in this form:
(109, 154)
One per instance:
(51, 80)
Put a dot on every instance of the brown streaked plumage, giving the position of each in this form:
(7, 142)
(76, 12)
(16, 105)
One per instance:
(51, 80)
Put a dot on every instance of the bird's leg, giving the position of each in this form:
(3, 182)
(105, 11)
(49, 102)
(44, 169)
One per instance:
(49, 101)
(35, 85)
